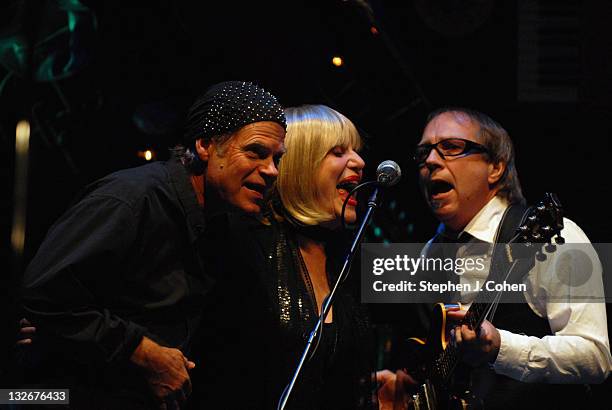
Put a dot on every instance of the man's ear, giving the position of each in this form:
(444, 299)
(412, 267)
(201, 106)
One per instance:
(203, 149)
(496, 170)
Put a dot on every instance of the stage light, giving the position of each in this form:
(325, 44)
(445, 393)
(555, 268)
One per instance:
(337, 61)
(22, 137)
(374, 30)
(22, 147)
(147, 155)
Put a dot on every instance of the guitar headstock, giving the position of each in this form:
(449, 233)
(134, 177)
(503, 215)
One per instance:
(541, 223)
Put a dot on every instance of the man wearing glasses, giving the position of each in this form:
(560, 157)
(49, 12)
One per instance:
(467, 174)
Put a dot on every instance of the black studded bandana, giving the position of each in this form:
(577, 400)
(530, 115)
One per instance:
(226, 107)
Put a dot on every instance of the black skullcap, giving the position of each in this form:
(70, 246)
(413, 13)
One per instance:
(226, 107)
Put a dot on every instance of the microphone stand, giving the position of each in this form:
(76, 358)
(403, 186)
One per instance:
(373, 202)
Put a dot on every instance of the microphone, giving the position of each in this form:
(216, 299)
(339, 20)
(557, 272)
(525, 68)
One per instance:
(388, 173)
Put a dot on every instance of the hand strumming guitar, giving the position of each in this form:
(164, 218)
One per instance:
(394, 389)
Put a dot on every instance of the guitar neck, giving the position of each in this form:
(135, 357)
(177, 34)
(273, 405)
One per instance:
(444, 365)
(448, 359)
(476, 314)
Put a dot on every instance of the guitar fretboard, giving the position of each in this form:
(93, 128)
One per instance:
(448, 359)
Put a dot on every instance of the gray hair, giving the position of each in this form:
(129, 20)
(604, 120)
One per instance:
(500, 149)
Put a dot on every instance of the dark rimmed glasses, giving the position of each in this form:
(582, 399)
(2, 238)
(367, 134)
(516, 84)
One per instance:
(450, 147)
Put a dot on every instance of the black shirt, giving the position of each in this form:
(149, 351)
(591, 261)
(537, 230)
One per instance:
(123, 262)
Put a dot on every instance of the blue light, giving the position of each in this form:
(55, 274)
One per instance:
(377, 232)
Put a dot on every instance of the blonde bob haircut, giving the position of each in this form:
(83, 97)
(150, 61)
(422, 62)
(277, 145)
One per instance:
(312, 132)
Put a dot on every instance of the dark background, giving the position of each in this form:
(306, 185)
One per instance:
(116, 78)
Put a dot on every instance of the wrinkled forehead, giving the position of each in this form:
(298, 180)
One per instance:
(264, 130)
(451, 124)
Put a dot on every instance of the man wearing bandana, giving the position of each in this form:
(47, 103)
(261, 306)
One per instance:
(116, 288)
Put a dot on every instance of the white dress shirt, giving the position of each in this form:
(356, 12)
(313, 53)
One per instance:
(579, 350)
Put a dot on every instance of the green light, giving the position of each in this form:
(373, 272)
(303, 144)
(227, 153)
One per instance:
(72, 20)
(377, 232)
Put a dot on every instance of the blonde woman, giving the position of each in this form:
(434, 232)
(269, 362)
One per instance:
(277, 274)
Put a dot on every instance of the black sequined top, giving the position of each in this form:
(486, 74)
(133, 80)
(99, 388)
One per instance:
(257, 325)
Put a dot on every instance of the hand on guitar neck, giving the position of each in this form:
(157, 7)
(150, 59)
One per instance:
(476, 346)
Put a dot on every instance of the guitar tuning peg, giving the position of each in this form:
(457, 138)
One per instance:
(536, 237)
(532, 218)
(540, 256)
(550, 248)
(560, 240)
(541, 208)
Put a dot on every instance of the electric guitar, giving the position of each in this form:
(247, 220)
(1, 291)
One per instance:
(438, 359)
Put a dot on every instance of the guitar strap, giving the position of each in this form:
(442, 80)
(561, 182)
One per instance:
(509, 223)
(515, 317)
(506, 230)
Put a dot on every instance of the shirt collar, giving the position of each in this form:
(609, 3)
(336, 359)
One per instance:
(484, 225)
(181, 181)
